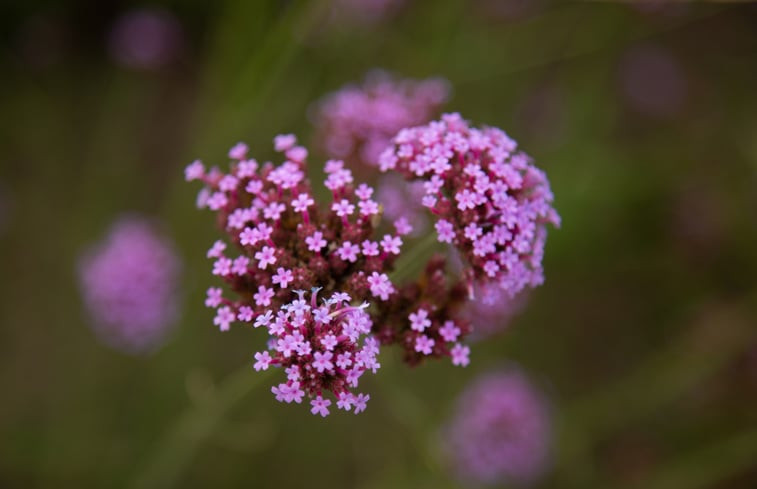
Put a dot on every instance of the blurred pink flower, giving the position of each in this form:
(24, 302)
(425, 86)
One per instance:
(364, 11)
(129, 285)
(356, 123)
(491, 310)
(500, 432)
(146, 39)
(652, 81)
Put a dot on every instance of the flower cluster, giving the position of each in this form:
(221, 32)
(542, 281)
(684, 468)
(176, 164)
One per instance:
(146, 39)
(364, 12)
(356, 123)
(489, 201)
(319, 348)
(423, 319)
(501, 431)
(491, 310)
(129, 285)
(286, 242)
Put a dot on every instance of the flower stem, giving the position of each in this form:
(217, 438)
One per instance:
(408, 263)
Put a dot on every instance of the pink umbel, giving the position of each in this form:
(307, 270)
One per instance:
(318, 344)
(500, 432)
(489, 200)
(129, 285)
(357, 122)
(146, 39)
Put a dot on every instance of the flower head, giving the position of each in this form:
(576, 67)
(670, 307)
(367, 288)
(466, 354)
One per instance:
(500, 432)
(490, 202)
(357, 122)
(129, 285)
(323, 348)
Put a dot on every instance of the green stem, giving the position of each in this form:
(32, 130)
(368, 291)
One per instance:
(407, 265)
(177, 448)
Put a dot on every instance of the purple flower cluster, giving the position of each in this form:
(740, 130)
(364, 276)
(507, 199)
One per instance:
(319, 348)
(365, 11)
(490, 202)
(500, 432)
(129, 285)
(146, 39)
(287, 243)
(491, 310)
(356, 123)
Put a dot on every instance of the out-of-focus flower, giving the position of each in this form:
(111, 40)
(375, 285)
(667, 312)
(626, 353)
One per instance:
(491, 309)
(489, 201)
(319, 347)
(129, 285)
(356, 123)
(652, 81)
(500, 431)
(402, 199)
(364, 11)
(146, 39)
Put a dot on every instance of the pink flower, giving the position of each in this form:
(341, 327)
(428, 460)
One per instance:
(214, 297)
(238, 151)
(322, 361)
(460, 355)
(343, 208)
(380, 285)
(357, 122)
(129, 285)
(449, 331)
(419, 320)
(224, 317)
(500, 432)
(283, 142)
(391, 244)
(320, 406)
(445, 231)
(245, 314)
(263, 296)
(302, 202)
(195, 171)
(265, 257)
(348, 251)
(263, 360)
(424, 344)
(315, 242)
(283, 277)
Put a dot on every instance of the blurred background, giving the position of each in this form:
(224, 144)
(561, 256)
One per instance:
(643, 338)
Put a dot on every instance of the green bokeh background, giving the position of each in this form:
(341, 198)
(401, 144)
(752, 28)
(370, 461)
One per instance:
(644, 335)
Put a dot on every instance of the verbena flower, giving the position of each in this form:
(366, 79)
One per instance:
(489, 201)
(491, 310)
(424, 318)
(146, 39)
(129, 285)
(357, 122)
(322, 347)
(284, 241)
(364, 11)
(500, 431)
